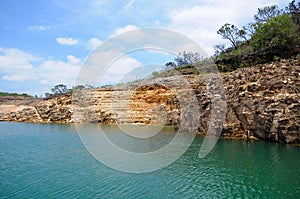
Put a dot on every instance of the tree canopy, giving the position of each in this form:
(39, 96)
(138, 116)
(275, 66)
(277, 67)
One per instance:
(230, 32)
(59, 89)
(279, 32)
(266, 13)
(184, 59)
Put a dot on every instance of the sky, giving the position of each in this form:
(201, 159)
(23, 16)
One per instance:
(45, 42)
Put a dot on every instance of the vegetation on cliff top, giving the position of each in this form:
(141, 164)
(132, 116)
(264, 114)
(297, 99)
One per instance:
(14, 94)
(61, 89)
(274, 34)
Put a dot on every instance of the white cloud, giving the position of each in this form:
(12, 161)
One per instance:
(73, 60)
(52, 72)
(20, 77)
(124, 29)
(129, 36)
(119, 69)
(45, 82)
(66, 41)
(40, 27)
(201, 22)
(19, 66)
(15, 59)
(93, 43)
(16, 65)
(123, 65)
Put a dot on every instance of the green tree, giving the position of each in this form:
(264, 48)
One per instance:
(293, 10)
(242, 34)
(59, 89)
(219, 48)
(47, 95)
(266, 13)
(170, 65)
(230, 32)
(187, 58)
(78, 88)
(280, 32)
(250, 29)
(89, 86)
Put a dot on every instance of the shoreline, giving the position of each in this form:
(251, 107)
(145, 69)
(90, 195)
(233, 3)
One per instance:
(244, 139)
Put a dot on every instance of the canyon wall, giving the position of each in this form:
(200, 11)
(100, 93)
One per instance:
(263, 102)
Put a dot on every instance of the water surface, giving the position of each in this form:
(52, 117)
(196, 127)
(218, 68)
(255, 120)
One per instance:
(48, 160)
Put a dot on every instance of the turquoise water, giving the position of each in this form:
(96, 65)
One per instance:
(49, 161)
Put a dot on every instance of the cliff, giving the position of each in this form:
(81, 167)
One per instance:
(263, 103)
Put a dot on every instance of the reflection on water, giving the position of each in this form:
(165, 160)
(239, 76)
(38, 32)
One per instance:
(134, 154)
(136, 144)
(42, 161)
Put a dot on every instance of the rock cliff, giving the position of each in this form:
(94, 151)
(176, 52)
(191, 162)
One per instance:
(263, 102)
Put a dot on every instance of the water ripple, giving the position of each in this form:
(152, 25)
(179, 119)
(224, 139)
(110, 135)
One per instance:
(49, 161)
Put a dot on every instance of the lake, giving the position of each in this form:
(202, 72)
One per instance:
(50, 161)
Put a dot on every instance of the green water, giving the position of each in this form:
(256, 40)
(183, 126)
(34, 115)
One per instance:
(49, 161)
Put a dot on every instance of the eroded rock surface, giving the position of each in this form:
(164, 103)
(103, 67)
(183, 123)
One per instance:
(263, 102)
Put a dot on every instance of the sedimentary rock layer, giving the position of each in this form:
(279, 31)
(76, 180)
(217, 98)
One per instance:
(263, 102)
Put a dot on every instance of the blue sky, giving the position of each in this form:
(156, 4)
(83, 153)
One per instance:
(45, 42)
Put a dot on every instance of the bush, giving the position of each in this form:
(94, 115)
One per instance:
(280, 32)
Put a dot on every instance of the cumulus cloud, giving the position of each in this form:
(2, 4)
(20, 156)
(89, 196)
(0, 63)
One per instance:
(111, 70)
(93, 43)
(12, 58)
(16, 65)
(124, 29)
(66, 41)
(40, 27)
(19, 66)
(73, 60)
(52, 72)
(119, 69)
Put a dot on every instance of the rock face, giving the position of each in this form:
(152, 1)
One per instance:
(263, 102)
(24, 109)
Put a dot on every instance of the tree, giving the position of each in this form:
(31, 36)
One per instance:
(242, 34)
(89, 86)
(78, 88)
(278, 32)
(187, 58)
(230, 32)
(267, 13)
(47, 95)
(59, 89)
(293, 10)
(170, 65)
(219, 48)
(250, 29)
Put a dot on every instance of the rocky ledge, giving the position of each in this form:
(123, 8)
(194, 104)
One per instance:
(263, 102)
